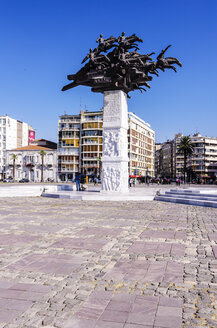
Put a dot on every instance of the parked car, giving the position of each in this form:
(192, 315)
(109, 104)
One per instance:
(8, 180)
(24, 180)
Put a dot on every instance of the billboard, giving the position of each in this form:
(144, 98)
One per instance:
(31, 136)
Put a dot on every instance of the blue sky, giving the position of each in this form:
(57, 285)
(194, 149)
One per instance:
(44, 40)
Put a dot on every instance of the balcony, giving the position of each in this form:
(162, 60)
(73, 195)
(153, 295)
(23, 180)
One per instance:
(69, 129)
(68, 162)
(95, 158)
(69, 137)
(91, 143)
(66, 151)
(92, 119)
(91, 165)
(71, 169)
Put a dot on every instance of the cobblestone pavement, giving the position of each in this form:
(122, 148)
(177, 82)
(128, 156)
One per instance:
(73, 264)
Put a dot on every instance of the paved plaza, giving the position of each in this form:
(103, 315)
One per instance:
(79, 264)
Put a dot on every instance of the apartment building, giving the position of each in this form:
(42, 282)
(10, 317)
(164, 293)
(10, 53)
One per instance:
(164, 164)
(91, 142)
(141, 145)
(13, 134)
(28, 162)
(79, 144)
(80, 140)
(202, 163)
(204, 159)
(69, 128)
(158, 159)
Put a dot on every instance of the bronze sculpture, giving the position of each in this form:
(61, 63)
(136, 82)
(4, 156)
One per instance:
(123, 68)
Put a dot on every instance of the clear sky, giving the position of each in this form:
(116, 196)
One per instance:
(44, 40)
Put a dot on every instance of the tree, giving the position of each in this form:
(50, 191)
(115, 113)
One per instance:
(42, 153)
(186, 148)
(14, 157)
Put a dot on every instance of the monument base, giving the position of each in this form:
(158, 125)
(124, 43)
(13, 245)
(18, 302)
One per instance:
(115, 146)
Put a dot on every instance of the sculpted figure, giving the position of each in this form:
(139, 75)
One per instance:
(104, 44)
(106, 179)
(122, 68)
(113, 179)
(100, 40)
(117, 144)
(167, 62)
(106, 145)
(118, 174)
(122, 38)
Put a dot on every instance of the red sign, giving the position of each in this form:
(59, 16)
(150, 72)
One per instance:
(31, 136)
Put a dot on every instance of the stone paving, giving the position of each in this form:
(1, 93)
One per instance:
(74, 264)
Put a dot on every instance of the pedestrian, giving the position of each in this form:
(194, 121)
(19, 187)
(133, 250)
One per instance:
(134, 182)
(130, 182)
(78, 182)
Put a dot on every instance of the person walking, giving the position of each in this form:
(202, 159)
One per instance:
(78, 183)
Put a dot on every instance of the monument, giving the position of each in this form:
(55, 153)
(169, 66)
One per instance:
(115, 68)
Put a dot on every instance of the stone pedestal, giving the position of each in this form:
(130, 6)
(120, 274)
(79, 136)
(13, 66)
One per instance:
(115, 145)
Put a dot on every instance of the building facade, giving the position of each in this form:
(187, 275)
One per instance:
(164, 165)
(28, 161)
(91, 143)
(69, 128)
(202, 163)
(80, 140)
(13, 134)
(204, 159)
(141, 145)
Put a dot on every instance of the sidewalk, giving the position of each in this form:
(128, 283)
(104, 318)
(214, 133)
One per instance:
(73, 264)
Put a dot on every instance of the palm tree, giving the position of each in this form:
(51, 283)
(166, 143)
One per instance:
(186, 148)
(14, 157)
(42, 153)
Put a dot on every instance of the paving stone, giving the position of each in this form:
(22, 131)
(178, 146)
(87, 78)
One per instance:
(58, 264)
(83, 264)
(156, 248)
(80, 243)
(10, 239)
(97, 231)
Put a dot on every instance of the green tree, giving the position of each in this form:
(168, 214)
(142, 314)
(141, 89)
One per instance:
(14, 157)
(42, 153)
(186, 148)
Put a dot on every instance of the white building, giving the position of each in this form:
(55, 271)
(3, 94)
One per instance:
(28, 163)
(204, 159)
(141, 147)
(13, 134)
